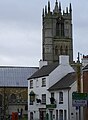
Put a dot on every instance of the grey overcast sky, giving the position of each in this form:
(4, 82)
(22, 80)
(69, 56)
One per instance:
(21, 26)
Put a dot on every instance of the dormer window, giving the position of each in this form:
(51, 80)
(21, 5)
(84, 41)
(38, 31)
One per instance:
(43, 82)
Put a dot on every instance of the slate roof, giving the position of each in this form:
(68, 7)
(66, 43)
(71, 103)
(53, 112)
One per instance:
(65, 82)
(44, 71)
(15, 76)
(86, 67)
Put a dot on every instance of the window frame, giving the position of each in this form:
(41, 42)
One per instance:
(31, 84)
(60, 97)
(43, 82)
(13, 98)
(37, 83)
(43, 98)
(52, 94)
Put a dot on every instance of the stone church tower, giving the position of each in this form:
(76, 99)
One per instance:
(56, 33)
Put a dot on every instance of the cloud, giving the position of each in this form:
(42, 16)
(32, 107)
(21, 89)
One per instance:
(21, 27)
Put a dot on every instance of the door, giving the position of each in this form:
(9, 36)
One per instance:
(31, 115)
(42, 114)
(51, 115)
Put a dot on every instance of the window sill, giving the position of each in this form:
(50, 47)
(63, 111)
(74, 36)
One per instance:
(43, 103)
(61, 102)
(31, 87)
(43, 86)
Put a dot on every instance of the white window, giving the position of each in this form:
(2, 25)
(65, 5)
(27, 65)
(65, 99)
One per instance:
(52, 94)
(60, 97)
(43, 98)
(52, 100)
(32, 97)
(37, 83)
(43, 82)
(31, 83)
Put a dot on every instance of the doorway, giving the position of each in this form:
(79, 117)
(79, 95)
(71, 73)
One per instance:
(51, 114)
(42, 114)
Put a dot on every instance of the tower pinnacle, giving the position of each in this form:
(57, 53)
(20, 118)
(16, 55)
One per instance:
(48, 6)
(45, 9)
(59, 7)
(56, 7)
(70, 8)
(43, 12)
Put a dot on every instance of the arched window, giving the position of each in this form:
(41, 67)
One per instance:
(1, 104)
(0, 100)
(57, 29)
(60, 27)
(61, 51)
(13, 98)
(56, 50)
(66, 50)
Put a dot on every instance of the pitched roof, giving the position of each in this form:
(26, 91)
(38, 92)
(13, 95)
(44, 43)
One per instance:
(65, 82)
(86, 67)
(15, 76)
(44, 71)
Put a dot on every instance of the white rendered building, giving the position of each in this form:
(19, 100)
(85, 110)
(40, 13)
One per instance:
(50, 91)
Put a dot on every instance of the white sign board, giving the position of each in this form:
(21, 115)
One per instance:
(79, 103)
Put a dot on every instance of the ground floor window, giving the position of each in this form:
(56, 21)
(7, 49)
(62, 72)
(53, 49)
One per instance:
(56, 114)
(0, 104)
(65, 115)
(42, 114)
(60, 114)
(51, 115)
(31, 115)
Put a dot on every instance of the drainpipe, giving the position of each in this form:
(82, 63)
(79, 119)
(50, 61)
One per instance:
(79, 81)
(68, 107)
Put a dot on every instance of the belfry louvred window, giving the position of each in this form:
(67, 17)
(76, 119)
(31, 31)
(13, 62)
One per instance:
(60, 27)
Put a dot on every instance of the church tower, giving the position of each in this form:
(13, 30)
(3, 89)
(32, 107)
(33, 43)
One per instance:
(56, 33)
